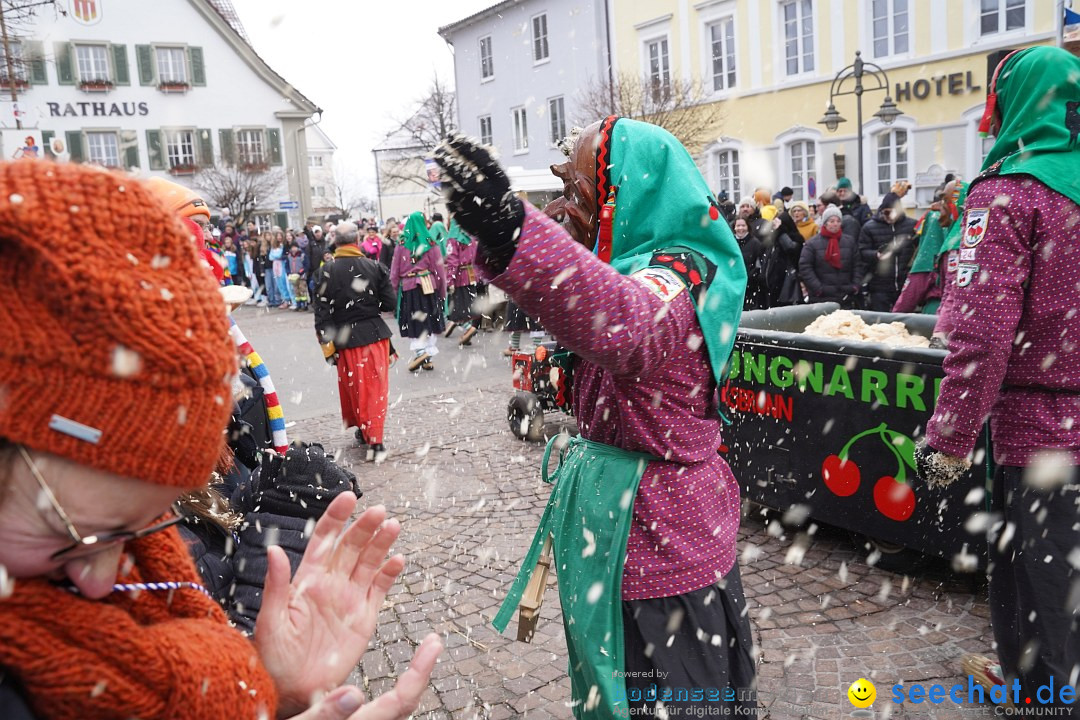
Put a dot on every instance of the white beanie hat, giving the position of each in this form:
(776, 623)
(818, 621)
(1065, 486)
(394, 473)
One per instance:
(831, 211)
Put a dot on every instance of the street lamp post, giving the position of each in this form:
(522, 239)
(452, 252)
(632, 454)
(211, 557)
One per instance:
(857, 71)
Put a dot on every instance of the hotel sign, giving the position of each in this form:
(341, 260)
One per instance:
(958, 83)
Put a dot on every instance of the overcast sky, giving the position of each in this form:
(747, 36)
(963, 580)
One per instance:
(364, 63)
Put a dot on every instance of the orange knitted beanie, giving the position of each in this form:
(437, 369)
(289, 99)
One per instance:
(115, 345)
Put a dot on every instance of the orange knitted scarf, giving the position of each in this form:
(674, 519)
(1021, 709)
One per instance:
(147, 655)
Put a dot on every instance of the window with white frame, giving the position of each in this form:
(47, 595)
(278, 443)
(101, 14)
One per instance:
(318, 191)
(103, 148)
(171, 64)
(798, 27)
(727, 173)
(17, 69)
(659, 66)
(92, 62)
(890, 27)
(802, 159)
(557, 114)
(487, 62)
(892, 158)
(996, 16)
(540, 38)
(249, 147)
(521, 130)
(722, 48)
(315, 161)
(485, 130)
(180, 148)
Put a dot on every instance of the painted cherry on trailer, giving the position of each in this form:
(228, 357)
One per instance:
(841, 475)
(893, 497)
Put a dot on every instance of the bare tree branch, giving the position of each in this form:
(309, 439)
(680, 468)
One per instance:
(679, 106)
(346, 196)
(238, 188)
(435, 117)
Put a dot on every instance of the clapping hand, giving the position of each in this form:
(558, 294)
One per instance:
(312, 632)
(347, 702)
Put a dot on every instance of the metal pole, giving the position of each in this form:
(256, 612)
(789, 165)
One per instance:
(858, 118)
(8, 63)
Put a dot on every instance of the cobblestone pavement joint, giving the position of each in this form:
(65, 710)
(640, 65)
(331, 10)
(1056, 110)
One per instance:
(469, 497)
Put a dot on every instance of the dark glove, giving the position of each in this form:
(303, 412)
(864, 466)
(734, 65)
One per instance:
(478, 195)
(300, 484)
(938, 469)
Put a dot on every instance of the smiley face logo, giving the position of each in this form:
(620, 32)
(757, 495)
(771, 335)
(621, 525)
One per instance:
(862, 693)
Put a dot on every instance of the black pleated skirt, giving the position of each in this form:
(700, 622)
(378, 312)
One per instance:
(462, 302)
(518, 321)
(691, 652)
(421, 314)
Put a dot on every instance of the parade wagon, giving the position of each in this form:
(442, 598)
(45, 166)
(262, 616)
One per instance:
(543, 383)
(824, 429)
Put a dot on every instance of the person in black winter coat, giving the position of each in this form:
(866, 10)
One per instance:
(284, 497)
(851, 204)
(782, 272)
(886, 248)
(753, 253)
(351, 293)
(727, 208)
(827, 262)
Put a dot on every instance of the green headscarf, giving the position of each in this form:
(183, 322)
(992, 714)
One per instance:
(415, 236)
(931, 237)
(663, 203)
(456, 233)
(438, 234)
(1038, 95)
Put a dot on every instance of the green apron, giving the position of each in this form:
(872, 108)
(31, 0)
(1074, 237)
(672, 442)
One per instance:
(588, 516)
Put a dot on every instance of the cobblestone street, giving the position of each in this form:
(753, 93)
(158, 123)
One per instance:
(469, 496)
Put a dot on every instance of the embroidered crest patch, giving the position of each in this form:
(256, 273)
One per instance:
(664, 283)
(975, 226)
(953, 261)
(965, 273)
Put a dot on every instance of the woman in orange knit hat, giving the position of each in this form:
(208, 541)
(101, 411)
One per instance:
(114, 392)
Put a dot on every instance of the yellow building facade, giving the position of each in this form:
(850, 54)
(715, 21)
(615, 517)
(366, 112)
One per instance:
(771, 64)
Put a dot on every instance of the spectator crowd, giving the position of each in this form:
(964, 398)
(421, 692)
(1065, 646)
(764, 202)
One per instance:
(834, 249)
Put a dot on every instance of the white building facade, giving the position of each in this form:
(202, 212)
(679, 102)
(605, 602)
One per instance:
(518, 69)
(163, 88)
(320, 153)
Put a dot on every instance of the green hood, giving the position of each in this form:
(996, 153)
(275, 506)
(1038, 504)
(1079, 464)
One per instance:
(415, 236)
(953, 236)
(931, 237)
(456, 233)
(438, 234)
(1038, 94)
(663, 203)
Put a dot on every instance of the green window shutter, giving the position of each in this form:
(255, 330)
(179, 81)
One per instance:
(65, 64)
(281, 219)
(75, 145)
(46, 139)
(275, 145)
(225, 142)
(36, 56)
(198, 67)
(153, 149)
(206, 148)
(144, 58)
(131, 155)
(121, 73)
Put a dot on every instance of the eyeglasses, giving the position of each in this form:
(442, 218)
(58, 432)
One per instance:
(85, 545)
